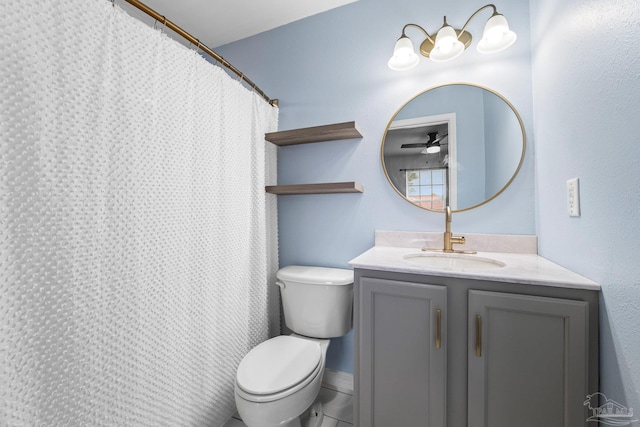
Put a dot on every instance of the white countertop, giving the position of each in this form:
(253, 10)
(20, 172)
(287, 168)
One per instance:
(521, 268)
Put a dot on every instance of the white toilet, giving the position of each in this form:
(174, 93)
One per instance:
(278, 380)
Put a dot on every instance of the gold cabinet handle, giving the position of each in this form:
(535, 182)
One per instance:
(438, 329)
(479, 336)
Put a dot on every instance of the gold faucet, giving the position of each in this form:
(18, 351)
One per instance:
(449, 238)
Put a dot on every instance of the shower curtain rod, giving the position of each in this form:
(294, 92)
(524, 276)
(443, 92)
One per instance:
(161, 18)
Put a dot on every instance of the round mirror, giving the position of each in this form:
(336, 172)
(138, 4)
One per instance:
(457, 145)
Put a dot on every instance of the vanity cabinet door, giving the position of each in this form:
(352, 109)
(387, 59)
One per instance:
(527, 361)
(401, 368)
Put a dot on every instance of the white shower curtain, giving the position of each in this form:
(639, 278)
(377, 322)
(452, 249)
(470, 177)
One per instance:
(137, 242)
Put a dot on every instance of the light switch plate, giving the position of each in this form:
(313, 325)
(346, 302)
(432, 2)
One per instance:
(573, 197)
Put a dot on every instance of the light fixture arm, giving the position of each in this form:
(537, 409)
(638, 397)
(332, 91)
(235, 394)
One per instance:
(495, 12)
(418, 27)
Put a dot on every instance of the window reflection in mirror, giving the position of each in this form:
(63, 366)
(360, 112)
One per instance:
(427, 188)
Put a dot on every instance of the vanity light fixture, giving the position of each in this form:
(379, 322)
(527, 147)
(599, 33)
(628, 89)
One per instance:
(449, 43)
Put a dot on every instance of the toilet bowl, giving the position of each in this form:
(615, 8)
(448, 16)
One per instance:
(279, 379)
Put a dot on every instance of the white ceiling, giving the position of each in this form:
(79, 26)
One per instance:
(218, 22)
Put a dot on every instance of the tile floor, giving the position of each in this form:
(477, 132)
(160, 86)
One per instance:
(338, 409)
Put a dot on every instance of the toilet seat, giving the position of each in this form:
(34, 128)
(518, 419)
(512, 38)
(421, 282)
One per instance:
(278, 367)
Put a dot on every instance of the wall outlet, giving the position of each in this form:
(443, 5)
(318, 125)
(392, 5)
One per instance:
(573, 197)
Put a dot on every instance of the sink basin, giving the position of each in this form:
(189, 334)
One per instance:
(453, 261)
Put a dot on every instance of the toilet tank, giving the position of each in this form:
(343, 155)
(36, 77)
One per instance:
(317, 301)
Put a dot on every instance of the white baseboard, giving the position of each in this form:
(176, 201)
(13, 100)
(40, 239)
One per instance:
(339, 381)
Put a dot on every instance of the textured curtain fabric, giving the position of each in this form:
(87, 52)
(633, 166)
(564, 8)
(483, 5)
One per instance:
(137, 242)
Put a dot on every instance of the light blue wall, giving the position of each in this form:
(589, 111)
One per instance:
(332, 68)
(586, 66)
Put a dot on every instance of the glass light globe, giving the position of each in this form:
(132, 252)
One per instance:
(447, 46)
(404, 57)
(496, 36)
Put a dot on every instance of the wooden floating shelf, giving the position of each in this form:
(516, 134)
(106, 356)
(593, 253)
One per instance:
(324, 188)
(334, 132)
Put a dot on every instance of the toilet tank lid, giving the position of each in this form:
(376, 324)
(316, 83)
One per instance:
(316, 275)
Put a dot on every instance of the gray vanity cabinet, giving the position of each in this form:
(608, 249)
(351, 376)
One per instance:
(505, 355)
(402, 356)
(527, 359)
